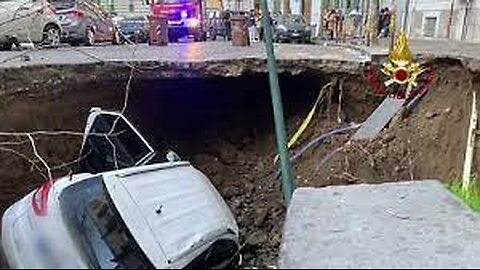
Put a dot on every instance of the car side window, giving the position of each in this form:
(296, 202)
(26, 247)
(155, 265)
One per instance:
(222, 254)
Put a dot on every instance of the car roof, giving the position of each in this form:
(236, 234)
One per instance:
(170, 208)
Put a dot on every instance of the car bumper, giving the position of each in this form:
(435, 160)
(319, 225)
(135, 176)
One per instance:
(182, 31)
(293, 36)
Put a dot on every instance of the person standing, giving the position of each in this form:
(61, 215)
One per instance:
(252, 26)
(228, 25)
(331, 21)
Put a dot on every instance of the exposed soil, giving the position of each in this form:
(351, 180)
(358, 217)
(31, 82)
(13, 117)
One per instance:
(428, 144)
(225, 128)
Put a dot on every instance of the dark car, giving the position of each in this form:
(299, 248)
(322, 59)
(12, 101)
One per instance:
(85, 22)
(288, 28)
(134, 29)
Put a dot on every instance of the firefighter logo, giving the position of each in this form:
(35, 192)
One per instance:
(400, 77)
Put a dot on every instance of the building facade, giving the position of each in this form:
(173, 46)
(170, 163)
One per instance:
(445, 19)
(125, 7)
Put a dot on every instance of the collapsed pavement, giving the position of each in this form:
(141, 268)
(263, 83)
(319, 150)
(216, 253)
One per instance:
(220, 119)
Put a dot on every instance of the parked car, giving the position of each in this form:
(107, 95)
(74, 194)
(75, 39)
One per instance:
(135, 29)
(23, 21)
(137, 216)
(288, 28)
(85, 22)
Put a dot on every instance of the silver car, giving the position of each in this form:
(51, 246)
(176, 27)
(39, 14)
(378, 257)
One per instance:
(32, 21)
(122, 210)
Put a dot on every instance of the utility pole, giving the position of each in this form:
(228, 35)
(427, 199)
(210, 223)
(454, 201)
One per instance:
(362, 23)
(288, 185)
(406, 15)
(286, 7)
(372, 22)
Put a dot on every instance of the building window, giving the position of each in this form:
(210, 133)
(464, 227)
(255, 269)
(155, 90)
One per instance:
(430, 26)
(111, 6)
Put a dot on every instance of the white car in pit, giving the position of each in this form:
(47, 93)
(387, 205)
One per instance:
(136, 216)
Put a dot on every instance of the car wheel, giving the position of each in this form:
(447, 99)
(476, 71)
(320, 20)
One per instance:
(90, 39)
(6, 46)
(51, 36)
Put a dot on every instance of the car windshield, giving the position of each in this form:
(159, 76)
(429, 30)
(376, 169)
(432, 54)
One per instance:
(296, 19)
(59, 5)
(96, 225)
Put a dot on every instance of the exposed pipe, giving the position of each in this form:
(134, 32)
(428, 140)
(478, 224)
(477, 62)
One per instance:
(320, 139)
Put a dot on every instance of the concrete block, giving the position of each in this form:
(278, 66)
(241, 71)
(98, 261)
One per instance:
(379, 118)
(396, 225)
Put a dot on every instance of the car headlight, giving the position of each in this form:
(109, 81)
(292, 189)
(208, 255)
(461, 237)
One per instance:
(282, 28)
(193, 23)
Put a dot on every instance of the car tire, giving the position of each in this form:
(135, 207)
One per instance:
(51, 36)
(6, 46)
(90, 37)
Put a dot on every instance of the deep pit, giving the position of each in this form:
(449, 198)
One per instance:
(224, 126)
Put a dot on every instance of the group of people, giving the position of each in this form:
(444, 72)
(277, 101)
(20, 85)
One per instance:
(333, 23)
(337, 25)
(384, 23)
(253, 23)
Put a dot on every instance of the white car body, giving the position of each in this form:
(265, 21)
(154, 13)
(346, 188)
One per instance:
(166, 215)
(25, 20)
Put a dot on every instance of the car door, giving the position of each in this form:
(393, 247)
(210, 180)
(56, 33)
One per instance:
(104, 24)
(95, 20)
(111, 142)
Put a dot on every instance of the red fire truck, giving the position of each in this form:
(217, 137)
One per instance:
(185, 17)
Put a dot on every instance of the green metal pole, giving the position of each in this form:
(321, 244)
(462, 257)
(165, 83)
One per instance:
(287, 174)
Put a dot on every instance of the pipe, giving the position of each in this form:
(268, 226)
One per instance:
(281, 135)
(320, 139)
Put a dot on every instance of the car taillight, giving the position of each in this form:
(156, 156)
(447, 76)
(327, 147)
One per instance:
(76, 14)
(40, 199)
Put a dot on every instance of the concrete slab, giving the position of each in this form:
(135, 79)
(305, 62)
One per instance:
(401, 225)
(377, 121)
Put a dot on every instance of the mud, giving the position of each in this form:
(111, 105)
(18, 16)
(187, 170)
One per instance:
(225, 128)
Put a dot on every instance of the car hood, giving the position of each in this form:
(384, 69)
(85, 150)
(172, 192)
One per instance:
(295, 26)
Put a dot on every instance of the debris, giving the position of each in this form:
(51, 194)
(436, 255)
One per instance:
(260, 216)
(431, 115)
